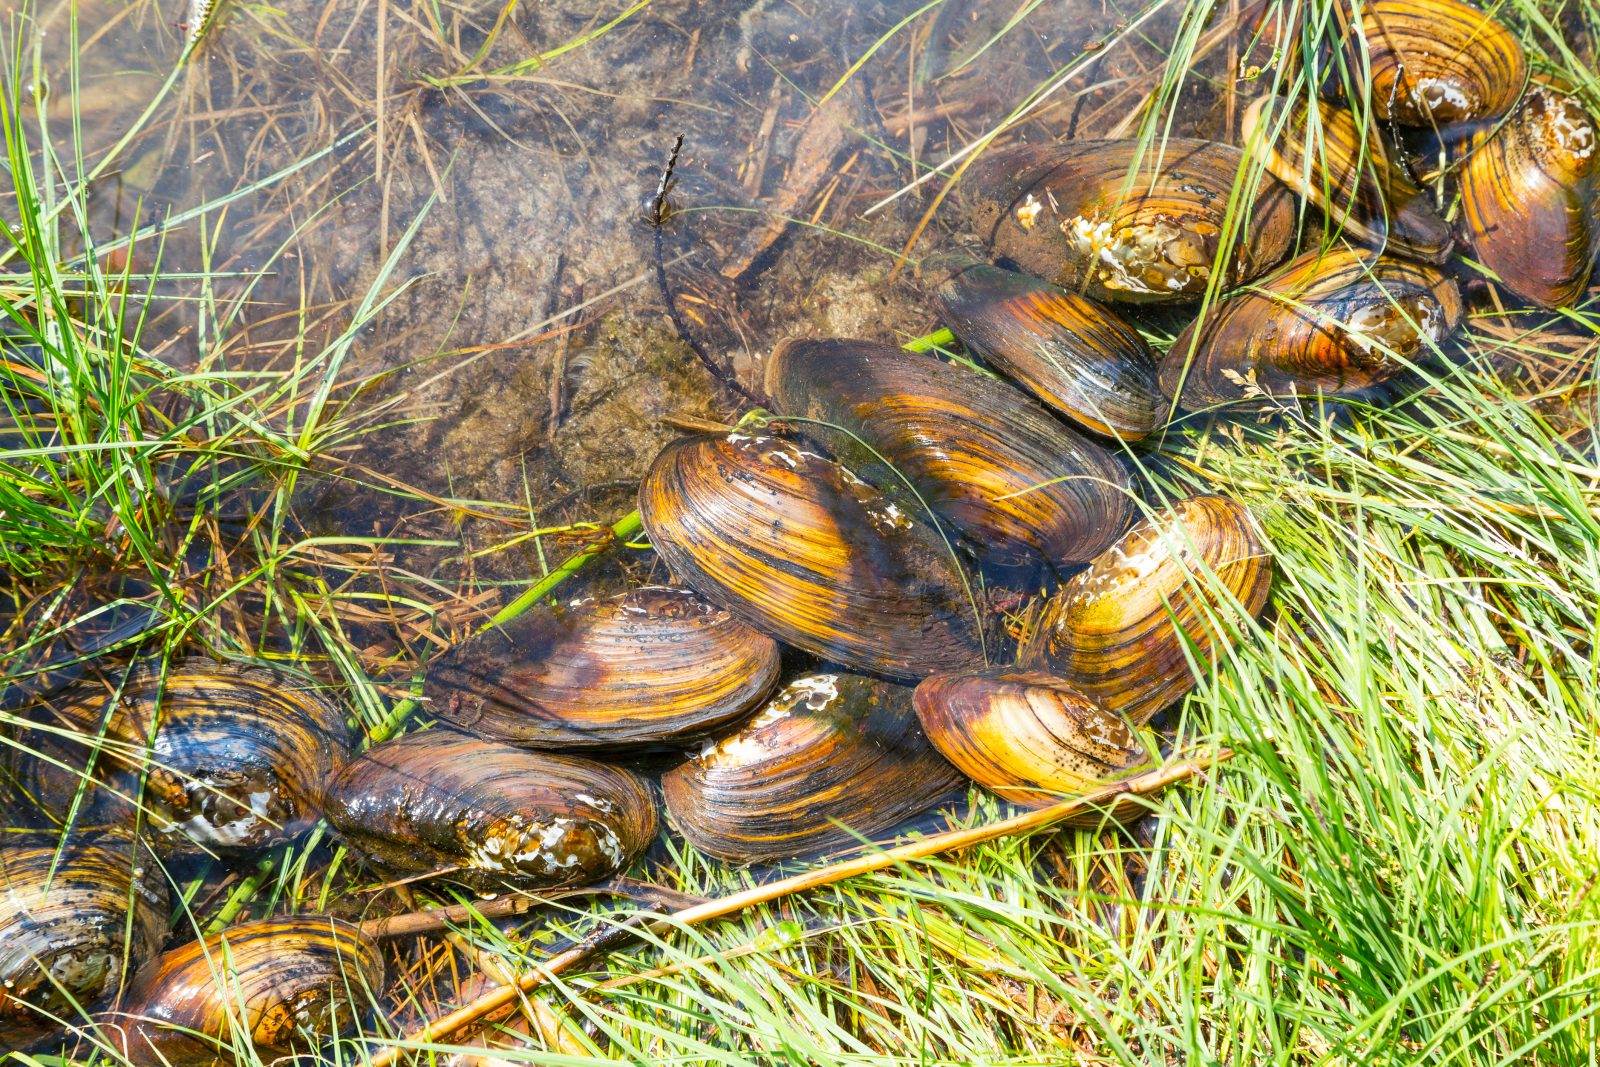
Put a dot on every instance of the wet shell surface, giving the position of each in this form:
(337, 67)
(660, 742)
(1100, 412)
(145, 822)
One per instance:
(1027, 736)
(234, 756)
(800, 548)
(71, 919)
(1083, 216)
(829, 748)
(649, 666)
(1354, 180)
(1331, 322)
(1436, 62)
(277, 986)
(1529, 198)
(1120, 630)
(486, 812)
(1072, 353)
(1022, 489)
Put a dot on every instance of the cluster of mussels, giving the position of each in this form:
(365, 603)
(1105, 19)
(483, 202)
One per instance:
(843, 527)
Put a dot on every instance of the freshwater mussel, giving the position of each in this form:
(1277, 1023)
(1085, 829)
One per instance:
(1075, 355)
(800, 548)
(1124, 221)
(1437, 62)
(830, 757)
(1027, 736)
(1529, 196)
(486, 813)
(1353, 178)
(1022, 489)
(270, 988)
(649, 666)
(1124, 630)
(75, 918)
(1333, 322)
(220, 757)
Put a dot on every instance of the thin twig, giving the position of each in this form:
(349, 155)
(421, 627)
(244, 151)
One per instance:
(611, 936)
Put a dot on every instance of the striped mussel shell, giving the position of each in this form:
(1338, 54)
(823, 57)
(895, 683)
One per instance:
(75, 920)
(1528, 198)
(1028, 736)
(1438, 62)
(1123, 630)
(1356, 181)
(1022, 490)
(275, 987)
(233, 756)
(650, 666)
(831, 757)
(1333, 322)
(798, 547)
(486, 813)
(1121, 221)
(1075, 355)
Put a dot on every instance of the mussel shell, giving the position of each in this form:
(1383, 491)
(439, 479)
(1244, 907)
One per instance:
(1121, 630)
(233, 756)
(648, 666)
(1022, 489)
(800, 548)
(1080, 215)
(1072, 353)
(278, 986)
(71, 919)
(490, 813)
(1529, 198)
(1353, 180)
(1333, 322)
(829, 752)
(1027, 736)
(1436, 62)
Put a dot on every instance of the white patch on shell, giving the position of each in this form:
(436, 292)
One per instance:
(1028, 212)
(1367, 326)
(1570, 126)
(1119, 569)
(1122, 257)
(231, 833)
(538, 846)
(597, 803)
(814, 692)
(1428, 93)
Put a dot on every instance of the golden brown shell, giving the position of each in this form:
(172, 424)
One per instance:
(1121, 630)
(650, 666)
(828, 749)
(1028, 736)
(1072, 353)
(1115, 222)
(1022, 489)
(1354, 180)
(277, 986)
(1435, 62)
(800, 548)
(1529, 198)
(1332, 322)
(489, 813)
(72, 918)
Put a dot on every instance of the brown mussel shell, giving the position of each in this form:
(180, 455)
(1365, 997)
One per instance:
(1333, 322)
(488, 813)
(800, 548)
(276, 986)
(1080, 215)
(1355, 181)
(71, 919)
(1437, 62)
(830, 751)
(233, 756)
(1022, 489)
(1529, 198)
(649, 666)
(1072, 353)
(1028, 736)
(1121, 630)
